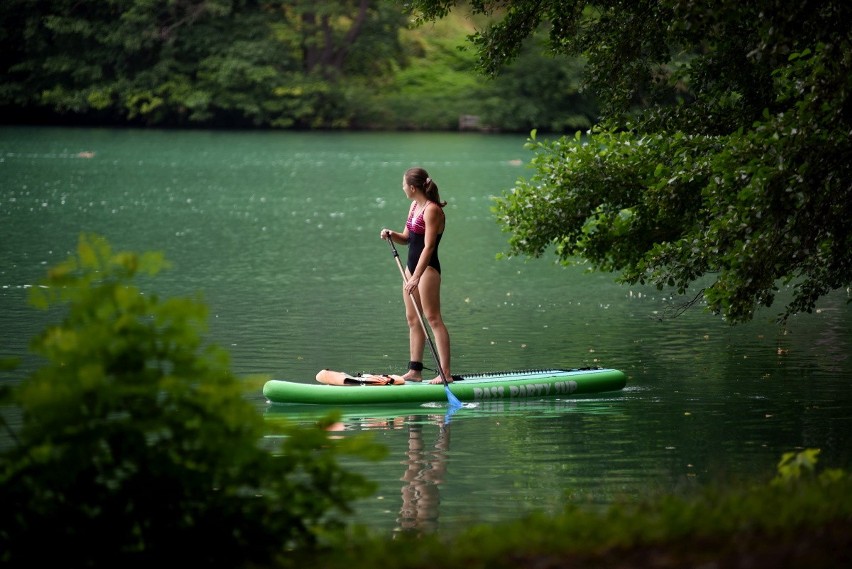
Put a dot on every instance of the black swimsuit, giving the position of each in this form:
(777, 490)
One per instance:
(417, 241)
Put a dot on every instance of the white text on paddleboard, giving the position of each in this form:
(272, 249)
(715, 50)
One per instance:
(529, 390)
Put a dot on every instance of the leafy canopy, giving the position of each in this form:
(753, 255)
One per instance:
(137, 447)
(213, 62)
(723, 155)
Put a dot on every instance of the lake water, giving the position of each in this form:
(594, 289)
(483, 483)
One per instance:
(279, 232)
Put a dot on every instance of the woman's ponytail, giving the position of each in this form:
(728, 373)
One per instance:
(419, 178)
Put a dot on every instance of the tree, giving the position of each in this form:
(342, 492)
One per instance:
(347, 49)
(167, 62)
(538, 92)
(723, 156)
(152, 62)
(137, 447)
(330, 33)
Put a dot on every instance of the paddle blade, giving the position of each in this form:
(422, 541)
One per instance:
(451, 398)
(449, 414)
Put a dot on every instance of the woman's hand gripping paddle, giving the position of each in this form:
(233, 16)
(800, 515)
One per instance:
(451, 399)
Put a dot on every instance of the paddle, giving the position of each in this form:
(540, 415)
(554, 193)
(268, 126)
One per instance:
(451, 398)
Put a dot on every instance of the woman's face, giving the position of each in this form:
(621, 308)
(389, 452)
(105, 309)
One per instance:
(406, 188)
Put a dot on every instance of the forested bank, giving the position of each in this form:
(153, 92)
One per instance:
(293, 64)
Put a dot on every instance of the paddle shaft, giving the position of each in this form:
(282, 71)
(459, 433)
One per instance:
(419, 314)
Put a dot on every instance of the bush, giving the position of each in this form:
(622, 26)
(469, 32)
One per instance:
(137, 446)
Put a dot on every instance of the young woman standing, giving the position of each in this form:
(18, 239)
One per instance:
(423, 230)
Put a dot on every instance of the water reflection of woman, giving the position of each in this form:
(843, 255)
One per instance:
(426, 470)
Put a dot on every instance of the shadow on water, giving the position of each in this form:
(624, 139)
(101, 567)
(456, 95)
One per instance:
(429, 493)
(426, 467)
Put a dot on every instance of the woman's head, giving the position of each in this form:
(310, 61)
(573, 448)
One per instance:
(419, 179)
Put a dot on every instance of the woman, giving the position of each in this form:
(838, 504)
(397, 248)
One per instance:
(422, 234)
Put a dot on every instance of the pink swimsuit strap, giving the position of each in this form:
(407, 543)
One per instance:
(418, 224)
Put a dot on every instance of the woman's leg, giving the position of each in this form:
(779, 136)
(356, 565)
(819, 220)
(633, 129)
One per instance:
(430, 301)
(416, 338)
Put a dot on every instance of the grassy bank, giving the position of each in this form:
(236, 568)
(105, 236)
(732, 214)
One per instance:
(797, 520)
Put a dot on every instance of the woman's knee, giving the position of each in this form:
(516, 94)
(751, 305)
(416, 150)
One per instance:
(434, 319)
(413, 320)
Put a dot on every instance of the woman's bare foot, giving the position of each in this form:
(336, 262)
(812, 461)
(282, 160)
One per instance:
(413, 376)
(439, 380)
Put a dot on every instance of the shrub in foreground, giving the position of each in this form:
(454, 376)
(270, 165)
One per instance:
(137, 447)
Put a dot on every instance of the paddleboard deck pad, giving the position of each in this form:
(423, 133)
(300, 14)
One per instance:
(340, 388)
